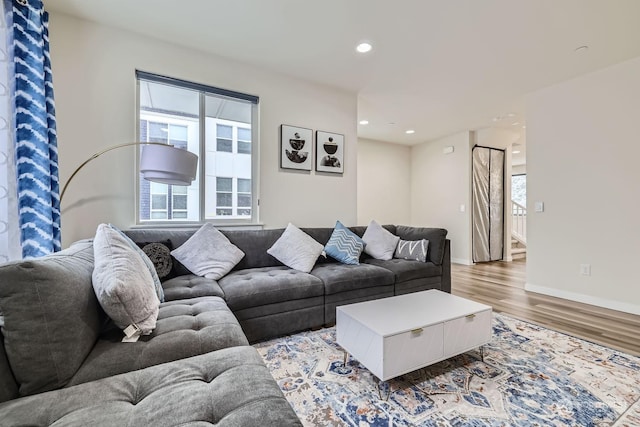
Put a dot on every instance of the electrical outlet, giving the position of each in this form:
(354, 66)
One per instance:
(585, 269)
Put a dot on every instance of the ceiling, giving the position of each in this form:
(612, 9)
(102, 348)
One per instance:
(437, 66)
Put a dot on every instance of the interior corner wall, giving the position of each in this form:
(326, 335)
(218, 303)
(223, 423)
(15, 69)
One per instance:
(95, 89)
(582, 163)
(441, 190)
(519, 170)
(384, 182)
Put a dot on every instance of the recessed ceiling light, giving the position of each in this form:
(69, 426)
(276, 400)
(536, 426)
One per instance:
(515, 123)
(511, 114)
(524, 127)
(364, 47)
(410, 131)
(364, 122)
(581, 49)
(516, 152)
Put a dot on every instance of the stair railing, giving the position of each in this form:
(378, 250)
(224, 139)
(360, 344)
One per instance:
(519, 222)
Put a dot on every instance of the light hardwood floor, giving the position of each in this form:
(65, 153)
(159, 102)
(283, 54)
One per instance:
(501, 285)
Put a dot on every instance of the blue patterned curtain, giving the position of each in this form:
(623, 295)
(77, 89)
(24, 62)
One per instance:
(36, 147)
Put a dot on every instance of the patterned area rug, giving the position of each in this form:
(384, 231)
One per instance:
(531, 376)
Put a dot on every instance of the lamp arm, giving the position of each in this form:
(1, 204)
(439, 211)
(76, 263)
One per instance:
(100, 153)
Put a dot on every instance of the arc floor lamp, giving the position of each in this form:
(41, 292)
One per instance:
(159, 162)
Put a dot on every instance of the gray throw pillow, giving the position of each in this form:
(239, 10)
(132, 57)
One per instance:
(412, 250)
(208, 253)
(380, 243)
(122, 282)
(51, 317)
(296, 249)
(157, 286)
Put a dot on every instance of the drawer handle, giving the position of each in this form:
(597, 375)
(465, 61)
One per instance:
(471, 316)
(417, 331)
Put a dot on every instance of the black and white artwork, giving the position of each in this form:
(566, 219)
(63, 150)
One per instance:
(329, 152)
(296, 146)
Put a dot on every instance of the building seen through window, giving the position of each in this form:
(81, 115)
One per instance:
(222, 137)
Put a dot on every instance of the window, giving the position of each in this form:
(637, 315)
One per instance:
(244, 197)
(219, 126)
(224, 140)
(224, 196)
(244, 141)
(519, 189)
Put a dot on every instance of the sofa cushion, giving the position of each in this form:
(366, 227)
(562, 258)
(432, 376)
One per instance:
(260, 286)
(435, 236)
(185, 328)
(122, 282)
(191, 286)
(405, 270)
(415, 250)
(296, 249)
(208, 253)
(344, 245)
(343, 277)
(380, 243)
(51, 316)
(226, 388)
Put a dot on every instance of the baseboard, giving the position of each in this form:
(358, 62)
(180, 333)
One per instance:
(586, 299)
(461, 261)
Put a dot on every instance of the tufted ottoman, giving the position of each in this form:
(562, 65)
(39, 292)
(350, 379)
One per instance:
(230, 387)
(272, 301)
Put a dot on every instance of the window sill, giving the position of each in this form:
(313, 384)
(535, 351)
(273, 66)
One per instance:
(196, 225)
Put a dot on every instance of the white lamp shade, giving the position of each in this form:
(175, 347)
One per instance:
(167, 164)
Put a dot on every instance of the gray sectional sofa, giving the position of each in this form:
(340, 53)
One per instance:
(62, 361)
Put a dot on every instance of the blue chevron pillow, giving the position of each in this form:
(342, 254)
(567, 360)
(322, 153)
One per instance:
(344, 245)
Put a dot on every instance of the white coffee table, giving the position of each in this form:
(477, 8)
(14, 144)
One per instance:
(396, 335)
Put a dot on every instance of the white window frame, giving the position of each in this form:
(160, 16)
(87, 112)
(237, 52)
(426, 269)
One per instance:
(255, 152)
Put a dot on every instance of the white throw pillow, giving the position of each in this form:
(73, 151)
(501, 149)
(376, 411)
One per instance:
(208, 253)
(296, 249)
(122, 282)
(380, 243)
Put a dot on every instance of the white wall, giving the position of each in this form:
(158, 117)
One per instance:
(582, 162)
(94, 81)
(441, 183)
(384, 182)
(518, 169)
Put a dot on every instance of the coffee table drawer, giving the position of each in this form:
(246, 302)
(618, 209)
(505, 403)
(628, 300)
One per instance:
(411, 350)
(467, 332)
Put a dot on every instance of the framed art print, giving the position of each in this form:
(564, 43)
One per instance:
(296, 147)
(329, 152)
